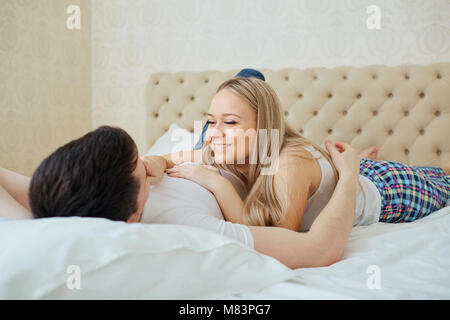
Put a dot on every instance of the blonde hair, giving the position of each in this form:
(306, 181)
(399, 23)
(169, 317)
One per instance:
(264, 204)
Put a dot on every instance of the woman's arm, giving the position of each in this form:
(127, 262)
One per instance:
(229, 200)
(16, 185)
(292, 178)
(210, 178)
(325, 242)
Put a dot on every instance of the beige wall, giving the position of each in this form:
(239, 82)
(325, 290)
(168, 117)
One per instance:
(133, 39)
(51, 93)
(45, 80)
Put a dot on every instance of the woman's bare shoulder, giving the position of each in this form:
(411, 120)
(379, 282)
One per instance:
(297, 155)
(293, 179)
(294, 165)
(297, 165)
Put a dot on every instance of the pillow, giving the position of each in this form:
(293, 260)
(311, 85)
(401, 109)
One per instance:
(48, 258)
(174, 140)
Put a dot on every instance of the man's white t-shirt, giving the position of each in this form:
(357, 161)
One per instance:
(181, 201)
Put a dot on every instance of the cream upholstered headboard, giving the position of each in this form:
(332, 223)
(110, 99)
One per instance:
(405, 110)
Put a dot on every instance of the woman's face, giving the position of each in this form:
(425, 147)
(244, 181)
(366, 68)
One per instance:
(232, 128)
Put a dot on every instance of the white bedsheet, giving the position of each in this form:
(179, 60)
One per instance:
(413, 260)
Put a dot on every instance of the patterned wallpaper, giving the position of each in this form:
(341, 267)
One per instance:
(132, 39)
(56, 84)
(45, 70)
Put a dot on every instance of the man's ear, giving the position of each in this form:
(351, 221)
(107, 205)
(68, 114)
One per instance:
(135, 217)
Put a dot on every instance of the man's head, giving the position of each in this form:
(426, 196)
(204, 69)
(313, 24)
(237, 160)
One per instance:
(97, 175)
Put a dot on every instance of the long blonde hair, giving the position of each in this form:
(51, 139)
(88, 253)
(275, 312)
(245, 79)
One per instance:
(264, 205)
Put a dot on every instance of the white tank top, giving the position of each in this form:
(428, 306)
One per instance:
(366, 212)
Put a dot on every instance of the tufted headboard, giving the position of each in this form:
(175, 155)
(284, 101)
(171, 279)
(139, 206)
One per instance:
(405, 110)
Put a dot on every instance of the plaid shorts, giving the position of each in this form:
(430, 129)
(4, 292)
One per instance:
(407, 193)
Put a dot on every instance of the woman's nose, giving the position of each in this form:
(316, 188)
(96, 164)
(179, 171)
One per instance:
(214, 132)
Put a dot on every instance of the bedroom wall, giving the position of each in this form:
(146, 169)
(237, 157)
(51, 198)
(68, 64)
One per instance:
(56, 84)
(45, 71)
(132, 39)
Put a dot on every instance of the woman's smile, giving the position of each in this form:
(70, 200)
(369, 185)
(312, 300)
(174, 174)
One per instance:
(220, 147)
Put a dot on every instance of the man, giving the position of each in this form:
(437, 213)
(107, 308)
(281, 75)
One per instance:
(97, 175)
(101, 175)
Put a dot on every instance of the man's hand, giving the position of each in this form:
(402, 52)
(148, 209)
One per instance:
(155, 166)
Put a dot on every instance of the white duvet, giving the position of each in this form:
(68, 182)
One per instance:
(381, 261)
(115, 260)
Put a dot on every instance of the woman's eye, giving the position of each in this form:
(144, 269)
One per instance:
(210, 122)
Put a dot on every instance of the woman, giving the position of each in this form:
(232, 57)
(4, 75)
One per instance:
(241, 113)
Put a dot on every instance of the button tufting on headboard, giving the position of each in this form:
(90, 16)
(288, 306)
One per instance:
(391, 107)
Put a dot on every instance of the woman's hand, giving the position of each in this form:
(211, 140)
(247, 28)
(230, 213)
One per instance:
(345, 158)
(370, 153)
(205, 175)
(155, 166)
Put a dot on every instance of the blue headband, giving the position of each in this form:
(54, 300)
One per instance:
(248, 73)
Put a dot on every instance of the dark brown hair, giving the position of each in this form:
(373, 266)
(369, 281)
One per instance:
(88, 177)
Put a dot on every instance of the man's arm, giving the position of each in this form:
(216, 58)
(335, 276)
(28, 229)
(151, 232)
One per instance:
(324, 243)
(10, 208)
(172, 159)
(156, 165)
(16, 185)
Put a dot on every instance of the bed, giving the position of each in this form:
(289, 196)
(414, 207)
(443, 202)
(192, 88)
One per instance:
(405, 110)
